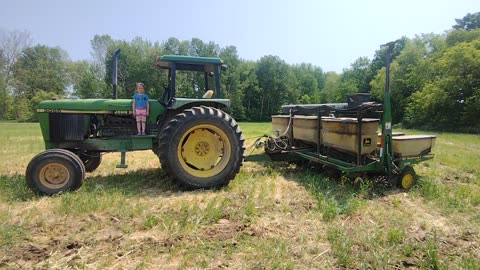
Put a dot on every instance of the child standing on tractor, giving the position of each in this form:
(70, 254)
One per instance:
(140, 108)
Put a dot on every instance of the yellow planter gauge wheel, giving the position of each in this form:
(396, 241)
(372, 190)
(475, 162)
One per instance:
(407, 178)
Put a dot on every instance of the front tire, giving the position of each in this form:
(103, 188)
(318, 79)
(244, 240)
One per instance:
(202, 147)
(53, 171)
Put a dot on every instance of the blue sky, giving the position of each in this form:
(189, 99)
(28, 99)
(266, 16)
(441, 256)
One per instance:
(330, 34)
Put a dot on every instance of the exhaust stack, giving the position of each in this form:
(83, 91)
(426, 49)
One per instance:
(114, 72)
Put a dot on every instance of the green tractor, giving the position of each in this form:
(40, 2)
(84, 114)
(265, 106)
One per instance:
(198, 144)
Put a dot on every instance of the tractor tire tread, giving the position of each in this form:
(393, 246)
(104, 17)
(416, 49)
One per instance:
(72, 161)
(189, 117)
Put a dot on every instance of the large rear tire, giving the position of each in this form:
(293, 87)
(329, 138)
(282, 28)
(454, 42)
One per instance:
(202, 147)
(53, 171)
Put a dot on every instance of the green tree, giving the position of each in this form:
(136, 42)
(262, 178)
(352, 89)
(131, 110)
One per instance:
(272, 75)
(22, 111)
(378, 61)
(305, 83)
(353, 80)
(41, 68)
(330, 92)
(100, 45)
(460, 35)
(135, 64)
(4, 102)
(468, 22)
(231, 81)
(199, 48)
(250, 89)
(175, 46)
(450, 101)
(40, 72)
(425, 108)
(85, 82)
(409, 72)
(470, 120)
(357, 77)
(11, 45)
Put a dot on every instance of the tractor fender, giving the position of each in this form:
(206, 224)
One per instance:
(185, 103)
(182, 104)
(214, 104)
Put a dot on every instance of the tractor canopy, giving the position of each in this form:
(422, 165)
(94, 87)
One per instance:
(209, 66)
(183, 62)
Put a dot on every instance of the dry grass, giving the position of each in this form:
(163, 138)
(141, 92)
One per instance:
(272, 216)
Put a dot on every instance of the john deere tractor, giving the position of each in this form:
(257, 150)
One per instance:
(198, 144)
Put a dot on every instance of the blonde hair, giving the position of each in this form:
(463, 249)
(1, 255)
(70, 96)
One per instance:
(139, 83)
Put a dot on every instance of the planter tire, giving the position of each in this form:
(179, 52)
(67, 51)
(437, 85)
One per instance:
(407, 178)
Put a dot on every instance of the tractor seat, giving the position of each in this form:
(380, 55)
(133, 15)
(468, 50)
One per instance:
(208, 94)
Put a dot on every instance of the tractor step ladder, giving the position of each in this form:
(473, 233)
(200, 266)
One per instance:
(122, 164)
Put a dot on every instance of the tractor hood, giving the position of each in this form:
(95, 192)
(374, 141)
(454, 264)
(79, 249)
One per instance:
(85, 105)
(118, 106)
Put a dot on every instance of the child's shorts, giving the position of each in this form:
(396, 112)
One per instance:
(141, 114)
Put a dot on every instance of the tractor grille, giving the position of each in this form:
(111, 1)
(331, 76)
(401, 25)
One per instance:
(66, 127)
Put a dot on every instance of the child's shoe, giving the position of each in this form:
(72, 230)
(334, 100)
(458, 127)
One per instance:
(139, 133)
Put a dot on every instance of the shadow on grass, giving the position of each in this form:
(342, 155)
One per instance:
(146, 182)
(335, 194)
(327, 188)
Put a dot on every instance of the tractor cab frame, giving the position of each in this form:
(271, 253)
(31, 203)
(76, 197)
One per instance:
(210, 66)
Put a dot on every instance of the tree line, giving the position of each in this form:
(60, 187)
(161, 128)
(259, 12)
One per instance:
(435, 78)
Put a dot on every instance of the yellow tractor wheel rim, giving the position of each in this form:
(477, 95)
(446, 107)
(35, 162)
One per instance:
(407, 180)
(204, 151)
(54, 175)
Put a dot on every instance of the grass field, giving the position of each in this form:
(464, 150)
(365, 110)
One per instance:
(272, 216)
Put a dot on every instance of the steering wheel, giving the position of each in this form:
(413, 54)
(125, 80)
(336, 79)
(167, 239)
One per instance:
(165, 98)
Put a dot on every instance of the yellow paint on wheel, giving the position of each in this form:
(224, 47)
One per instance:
(407, 180)
(204, 151)
(54, 175)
